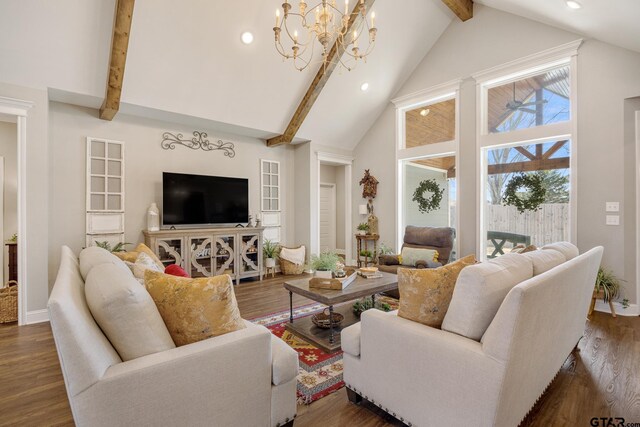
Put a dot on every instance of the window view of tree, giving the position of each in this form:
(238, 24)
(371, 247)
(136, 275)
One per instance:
(507, 227)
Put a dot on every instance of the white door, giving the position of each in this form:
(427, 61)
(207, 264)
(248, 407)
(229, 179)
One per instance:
(327, 217)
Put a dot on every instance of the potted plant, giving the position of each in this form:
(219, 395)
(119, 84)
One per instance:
(366, 303)
(270, 249)
(385, 250)
(119, 247)
(363, 228)
(607, 285)
(366, 254)
(324, 264)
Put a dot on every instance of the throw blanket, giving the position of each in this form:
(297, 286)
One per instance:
(295, 256)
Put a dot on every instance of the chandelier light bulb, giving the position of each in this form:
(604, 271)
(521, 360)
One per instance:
(373, 19)
(277, 17)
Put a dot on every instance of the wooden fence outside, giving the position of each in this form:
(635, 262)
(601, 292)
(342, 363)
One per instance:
(547, 225)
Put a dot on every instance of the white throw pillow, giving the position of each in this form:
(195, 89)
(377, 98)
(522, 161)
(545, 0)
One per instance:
(410, 256)
(479, 292)
(125, 312)
(93, 256)
(569, 250)
(295, 256)
(143, 263)
(544, 260)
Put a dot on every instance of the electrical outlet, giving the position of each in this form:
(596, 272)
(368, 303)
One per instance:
(612, 206)
(613, 220)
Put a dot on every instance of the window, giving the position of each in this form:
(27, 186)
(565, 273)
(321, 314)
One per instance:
(430, 124)
(426, 153)
(537, 100)
(440, 174)
(527, 137)
(505, 226)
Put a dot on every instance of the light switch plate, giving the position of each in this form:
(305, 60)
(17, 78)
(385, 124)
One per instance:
(613, 220)
(612, 206)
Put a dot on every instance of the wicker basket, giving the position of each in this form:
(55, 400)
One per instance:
(9, 302)
(289, 268)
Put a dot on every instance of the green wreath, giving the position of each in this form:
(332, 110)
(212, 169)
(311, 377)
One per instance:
(432, 203)
(531, 182)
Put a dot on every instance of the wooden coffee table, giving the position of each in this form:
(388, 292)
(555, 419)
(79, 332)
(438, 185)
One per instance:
(329, 339)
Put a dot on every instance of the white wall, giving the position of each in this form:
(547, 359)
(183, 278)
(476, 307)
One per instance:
(414, 174)
(145, 161)
(606, 76)
(9, 150)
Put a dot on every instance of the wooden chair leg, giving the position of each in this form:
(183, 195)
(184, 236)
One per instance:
(613, 310)
(592, 306)
(353, 396)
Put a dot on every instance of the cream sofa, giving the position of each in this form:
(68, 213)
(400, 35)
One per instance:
(243, 378)
(433, 377)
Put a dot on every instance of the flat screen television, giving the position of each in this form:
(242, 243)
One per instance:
(194, 200)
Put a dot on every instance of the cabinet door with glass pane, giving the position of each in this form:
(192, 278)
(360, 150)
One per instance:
(224, 255)
(105, 190)
(250, 253)
(201, 256)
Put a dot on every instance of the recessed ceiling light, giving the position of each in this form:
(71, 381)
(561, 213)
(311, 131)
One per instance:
(425, 112)
(247, 37)
(364, 87)
(573, 4)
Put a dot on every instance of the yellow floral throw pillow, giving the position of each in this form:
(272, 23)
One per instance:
(194, 309)
(132, 256)
(425, 294)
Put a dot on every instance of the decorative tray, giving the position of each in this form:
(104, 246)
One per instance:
(335, 284)
(321, 320)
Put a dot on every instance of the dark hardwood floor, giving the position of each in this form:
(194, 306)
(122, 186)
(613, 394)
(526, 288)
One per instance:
(602, 379)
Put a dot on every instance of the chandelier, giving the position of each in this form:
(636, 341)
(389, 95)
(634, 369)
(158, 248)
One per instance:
(322, 27)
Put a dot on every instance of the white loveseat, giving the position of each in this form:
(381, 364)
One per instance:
(243, 378)
(431, 377)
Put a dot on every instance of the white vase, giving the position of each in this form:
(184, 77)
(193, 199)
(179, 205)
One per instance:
(153, 218)
(324, 274)
(270, 262)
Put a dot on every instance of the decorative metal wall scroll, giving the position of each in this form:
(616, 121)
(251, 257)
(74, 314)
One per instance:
(198, 142)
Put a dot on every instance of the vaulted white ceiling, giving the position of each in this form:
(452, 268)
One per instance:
(612, 21)
(186, 59)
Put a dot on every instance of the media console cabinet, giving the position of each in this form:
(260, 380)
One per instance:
(205, 252)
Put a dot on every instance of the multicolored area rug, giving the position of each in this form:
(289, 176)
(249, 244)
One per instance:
(319, 373)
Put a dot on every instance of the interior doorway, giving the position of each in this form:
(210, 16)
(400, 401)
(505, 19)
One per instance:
(333, 226)
(328, 217)
(8, 200)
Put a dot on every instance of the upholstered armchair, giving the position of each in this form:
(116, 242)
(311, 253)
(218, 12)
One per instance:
(437, 238)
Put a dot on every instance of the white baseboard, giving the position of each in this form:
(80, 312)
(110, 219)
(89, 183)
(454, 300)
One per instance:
(37, 316)
(632, 310)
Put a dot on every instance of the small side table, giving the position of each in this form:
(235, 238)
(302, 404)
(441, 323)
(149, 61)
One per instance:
(271, 270)
(363, 242)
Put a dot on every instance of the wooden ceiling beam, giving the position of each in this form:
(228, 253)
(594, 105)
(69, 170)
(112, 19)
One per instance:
(530, 166)
(462, 8)
(118, 58)
(321, 78)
